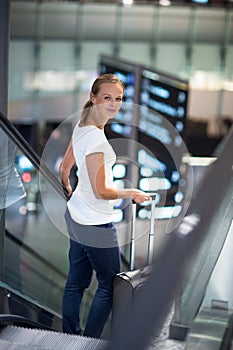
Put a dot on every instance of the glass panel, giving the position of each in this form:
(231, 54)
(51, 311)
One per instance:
(91, 52)
(210, 25)
(65, 14)
(137, 22)
(206, 260)
(57, 55)
(138, 52)
(99, 21)
(206, 57)
(168, 50)
(229, 61)
(231, 28)
(23, 19)
(21, 65)
(174, 23)
(35, 250)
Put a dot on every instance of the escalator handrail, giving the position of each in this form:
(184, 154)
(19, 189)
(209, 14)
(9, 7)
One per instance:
(34, 158)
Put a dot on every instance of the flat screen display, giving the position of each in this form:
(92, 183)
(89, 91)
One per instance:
(166, 95)
(161, 124)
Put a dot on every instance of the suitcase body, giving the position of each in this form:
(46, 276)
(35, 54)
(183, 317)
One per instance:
(126, 285)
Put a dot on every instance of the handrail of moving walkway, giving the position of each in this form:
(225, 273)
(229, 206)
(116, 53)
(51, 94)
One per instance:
(34, 158)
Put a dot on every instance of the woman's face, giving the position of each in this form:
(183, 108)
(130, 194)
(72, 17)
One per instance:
(108, 100)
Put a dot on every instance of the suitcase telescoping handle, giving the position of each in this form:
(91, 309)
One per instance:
(151, 233)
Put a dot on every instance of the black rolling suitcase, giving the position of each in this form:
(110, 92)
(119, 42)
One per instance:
(126, 285)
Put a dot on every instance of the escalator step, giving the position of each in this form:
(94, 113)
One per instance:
(43, 339)
(6, 345)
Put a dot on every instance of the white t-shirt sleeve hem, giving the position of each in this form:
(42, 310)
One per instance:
(96, 144)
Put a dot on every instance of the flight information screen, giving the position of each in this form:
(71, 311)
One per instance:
(163, 105)
(153, 118)
(166, 95)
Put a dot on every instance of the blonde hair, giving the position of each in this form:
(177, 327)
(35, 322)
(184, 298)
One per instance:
(104, 78)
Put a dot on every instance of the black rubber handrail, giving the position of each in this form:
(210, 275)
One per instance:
(34, 158)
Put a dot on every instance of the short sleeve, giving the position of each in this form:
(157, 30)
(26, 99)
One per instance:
(95, 142)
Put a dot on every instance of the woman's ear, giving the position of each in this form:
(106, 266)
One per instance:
(92, 98)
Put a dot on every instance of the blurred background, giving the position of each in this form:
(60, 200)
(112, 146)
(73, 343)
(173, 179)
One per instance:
(176, 60)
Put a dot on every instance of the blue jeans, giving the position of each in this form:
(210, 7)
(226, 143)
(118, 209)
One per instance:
(83, 260)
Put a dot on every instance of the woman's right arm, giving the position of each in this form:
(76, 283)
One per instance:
(65, 168)
(96, 171)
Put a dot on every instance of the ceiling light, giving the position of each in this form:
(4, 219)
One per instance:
(128, 2)
(164, 2)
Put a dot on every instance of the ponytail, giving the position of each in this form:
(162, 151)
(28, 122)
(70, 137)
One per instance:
(86, 109)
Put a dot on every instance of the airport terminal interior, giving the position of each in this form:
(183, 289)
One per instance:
(173, 137)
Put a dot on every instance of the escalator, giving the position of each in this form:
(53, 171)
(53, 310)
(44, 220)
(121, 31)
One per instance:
(33, 262)
(26, 338)
(34, 249)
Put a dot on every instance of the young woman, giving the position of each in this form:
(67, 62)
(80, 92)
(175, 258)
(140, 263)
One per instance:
(93, 243)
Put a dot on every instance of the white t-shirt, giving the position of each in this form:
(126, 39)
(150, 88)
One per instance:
(84, 207)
